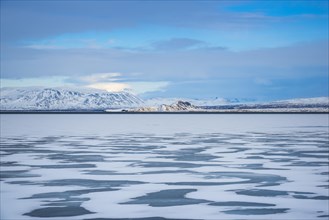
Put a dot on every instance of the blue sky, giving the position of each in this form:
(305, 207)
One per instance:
(264, 50)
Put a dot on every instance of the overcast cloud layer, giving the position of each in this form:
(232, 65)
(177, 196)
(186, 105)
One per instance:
(249, 49)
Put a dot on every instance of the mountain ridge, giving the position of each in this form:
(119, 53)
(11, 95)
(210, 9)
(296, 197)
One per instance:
(34, 98)
(89, 99)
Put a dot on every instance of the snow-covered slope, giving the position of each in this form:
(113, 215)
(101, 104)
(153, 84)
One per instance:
(179, 106)
(309, 101)
(37, 98)
(295, 105)
(303, 104)
(196, 102)
(155, 102)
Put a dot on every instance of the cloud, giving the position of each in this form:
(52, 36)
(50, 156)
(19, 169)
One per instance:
(138, 87)
(164, 41)
(100, 77)
(295, 60)
(147, 87)
(42, 19)
(110, 87)
(262, 81)
(51, 81)
(69, 41)
(177, 44)
(111, 82)
(102, 40)
(117, 82)
(44, 46)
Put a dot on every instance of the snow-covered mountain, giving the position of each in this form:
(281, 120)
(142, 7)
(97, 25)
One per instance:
(320, 104)
(309, 101)
(37, 98)
(196, 102)
(224, 102)
(179, 106)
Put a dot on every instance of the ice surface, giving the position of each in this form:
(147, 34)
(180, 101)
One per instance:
(68, 125)
(170, 166)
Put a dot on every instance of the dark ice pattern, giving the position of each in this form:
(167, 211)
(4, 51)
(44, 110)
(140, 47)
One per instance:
(240, 176)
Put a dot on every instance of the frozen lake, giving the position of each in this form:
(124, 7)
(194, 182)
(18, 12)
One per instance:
(156, 167)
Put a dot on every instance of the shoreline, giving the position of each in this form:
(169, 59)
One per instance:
(182, 112)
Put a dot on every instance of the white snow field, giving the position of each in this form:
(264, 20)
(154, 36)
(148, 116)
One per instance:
(164, 167)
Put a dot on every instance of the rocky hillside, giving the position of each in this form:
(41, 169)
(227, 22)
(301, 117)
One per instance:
(175, 107)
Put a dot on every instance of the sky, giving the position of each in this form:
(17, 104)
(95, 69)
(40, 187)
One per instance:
(262, 50)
